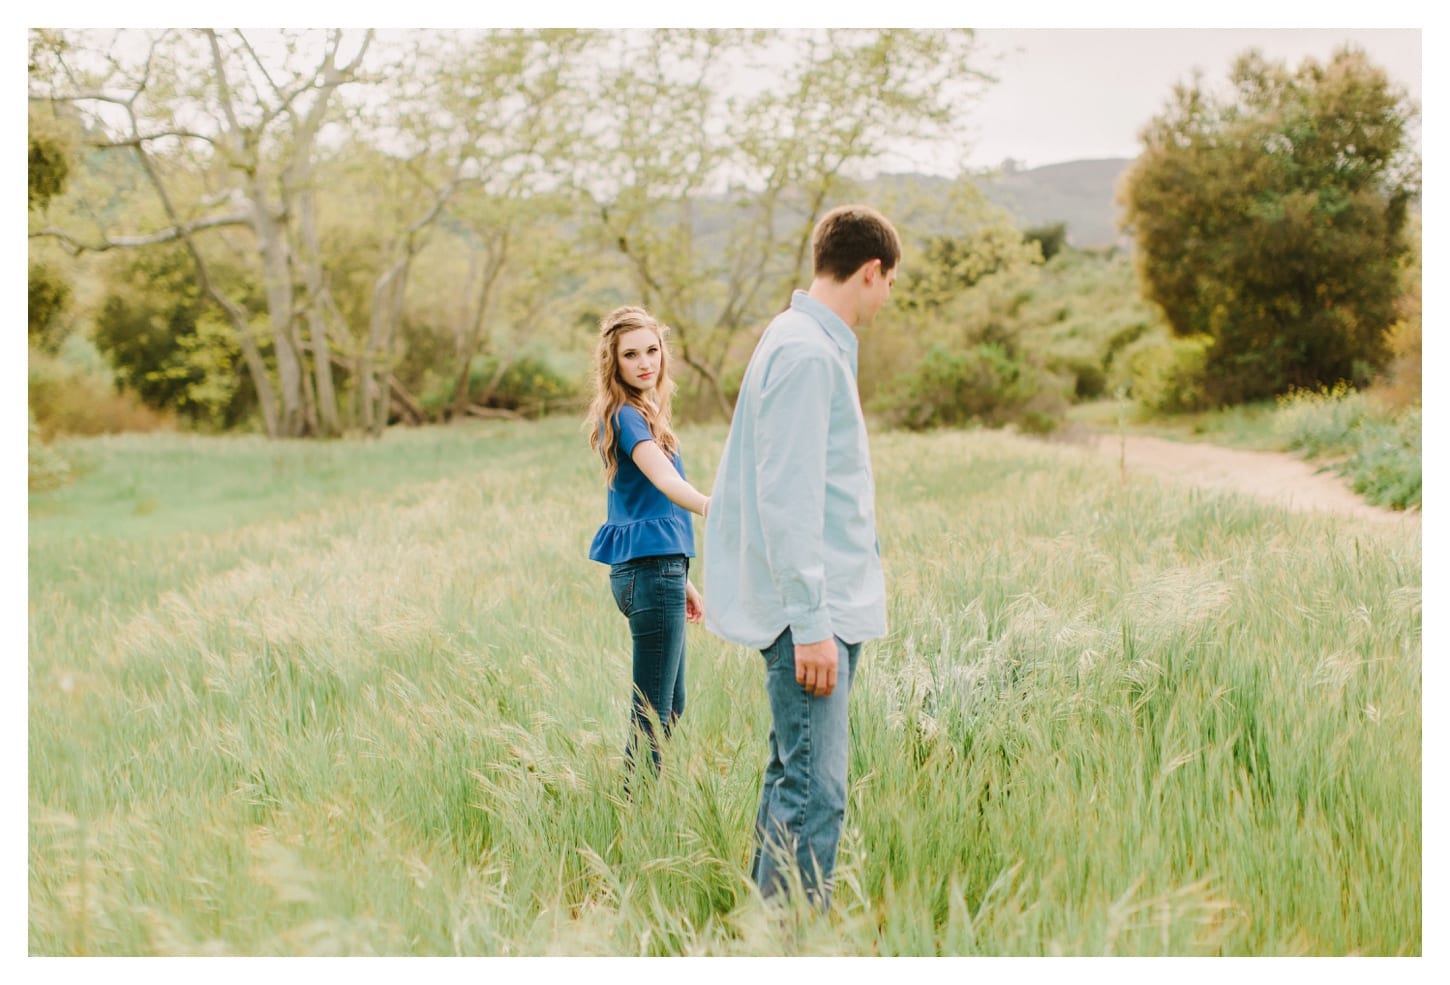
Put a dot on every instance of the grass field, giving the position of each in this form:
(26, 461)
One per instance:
(370, 698)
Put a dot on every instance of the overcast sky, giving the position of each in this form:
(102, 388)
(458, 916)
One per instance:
(1070, 94)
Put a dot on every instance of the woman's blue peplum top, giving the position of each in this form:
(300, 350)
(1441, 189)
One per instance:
(642, 521)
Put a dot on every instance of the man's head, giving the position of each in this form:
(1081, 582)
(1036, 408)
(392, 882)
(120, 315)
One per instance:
(857, 249)
(852, 235)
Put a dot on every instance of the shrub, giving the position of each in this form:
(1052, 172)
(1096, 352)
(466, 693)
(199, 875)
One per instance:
(985, 385)
(1377, 450)
(66, 399)
(1089, 379)
(1167, 375)
(1384, 466)
(530, 385)
(1323, 421)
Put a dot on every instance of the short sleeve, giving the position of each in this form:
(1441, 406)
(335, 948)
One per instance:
(631, 428)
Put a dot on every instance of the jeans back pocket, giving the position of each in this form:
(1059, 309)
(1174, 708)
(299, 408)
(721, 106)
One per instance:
(621, 583)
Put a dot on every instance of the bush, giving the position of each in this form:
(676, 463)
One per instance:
(1321, 422)
(1089, 379)
(166, 342)
(1378, 451)
(984, 385)
(1385, 465)
(530, 386)
(1167, 375)
(66, 399)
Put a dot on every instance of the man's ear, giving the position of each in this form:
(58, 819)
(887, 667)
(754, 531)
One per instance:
(870, 270)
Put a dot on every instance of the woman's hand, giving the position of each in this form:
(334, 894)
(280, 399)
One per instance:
(694, 604)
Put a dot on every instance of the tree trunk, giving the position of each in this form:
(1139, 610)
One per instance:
(472, 332)
(277, 277)
(372, 368)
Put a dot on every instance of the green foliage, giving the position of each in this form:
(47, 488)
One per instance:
(1273, 221)
(209, 366)
(167, 344)
(949, 350)
(1323, 421)
(49, 298)
(1169, 376)
(530, 385)
(1050, 239)
(1378, 449)
(986, 385)
(949, 265)
(1386, 461)
(51, 150)
(1079, 314)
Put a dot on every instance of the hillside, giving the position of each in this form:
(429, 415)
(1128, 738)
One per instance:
(1078, 193)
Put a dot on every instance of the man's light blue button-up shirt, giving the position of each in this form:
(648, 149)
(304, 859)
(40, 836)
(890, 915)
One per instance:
(791, 535)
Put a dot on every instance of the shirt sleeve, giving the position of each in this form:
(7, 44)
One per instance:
(791, 432)
(630, 429)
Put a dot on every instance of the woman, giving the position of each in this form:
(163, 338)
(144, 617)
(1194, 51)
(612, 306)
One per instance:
(648, 538)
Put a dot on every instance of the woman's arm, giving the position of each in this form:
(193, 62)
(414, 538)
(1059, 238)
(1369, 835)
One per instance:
(661, 471)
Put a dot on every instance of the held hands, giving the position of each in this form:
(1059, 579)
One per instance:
(694, 604)
(815, 667)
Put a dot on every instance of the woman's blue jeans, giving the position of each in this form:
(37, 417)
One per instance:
(803, 795)
(650, 591)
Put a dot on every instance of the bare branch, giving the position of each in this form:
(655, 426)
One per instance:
(75, 246)
(261, 66)
(141, 138)
(223, 87)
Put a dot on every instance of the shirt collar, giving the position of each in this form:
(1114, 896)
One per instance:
(839, 332)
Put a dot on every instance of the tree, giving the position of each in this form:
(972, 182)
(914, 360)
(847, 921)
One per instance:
(518, 100)
(257, 134)
(221, 133)
(1049, 238)
(1269, 222)
(709, 192)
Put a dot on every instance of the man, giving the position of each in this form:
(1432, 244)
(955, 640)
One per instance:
(792, 565)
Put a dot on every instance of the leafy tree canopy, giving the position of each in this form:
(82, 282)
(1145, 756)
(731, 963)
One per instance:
(1270, 220)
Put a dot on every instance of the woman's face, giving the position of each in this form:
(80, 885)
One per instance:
(639, 358)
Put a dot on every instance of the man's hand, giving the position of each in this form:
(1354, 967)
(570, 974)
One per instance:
(815, 666)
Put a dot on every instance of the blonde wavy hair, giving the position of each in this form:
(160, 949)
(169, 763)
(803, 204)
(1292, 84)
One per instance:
(611, 392)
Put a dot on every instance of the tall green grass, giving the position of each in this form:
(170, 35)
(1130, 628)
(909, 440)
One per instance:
(370, 697)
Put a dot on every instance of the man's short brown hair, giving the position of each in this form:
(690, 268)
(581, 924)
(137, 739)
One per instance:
(849, 236)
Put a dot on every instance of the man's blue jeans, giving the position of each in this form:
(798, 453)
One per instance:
(803, 796)
(650, 591)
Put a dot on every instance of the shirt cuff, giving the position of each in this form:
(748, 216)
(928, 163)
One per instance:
(812, 628)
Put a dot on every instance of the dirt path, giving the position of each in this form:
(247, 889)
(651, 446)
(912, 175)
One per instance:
(1273, 476)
